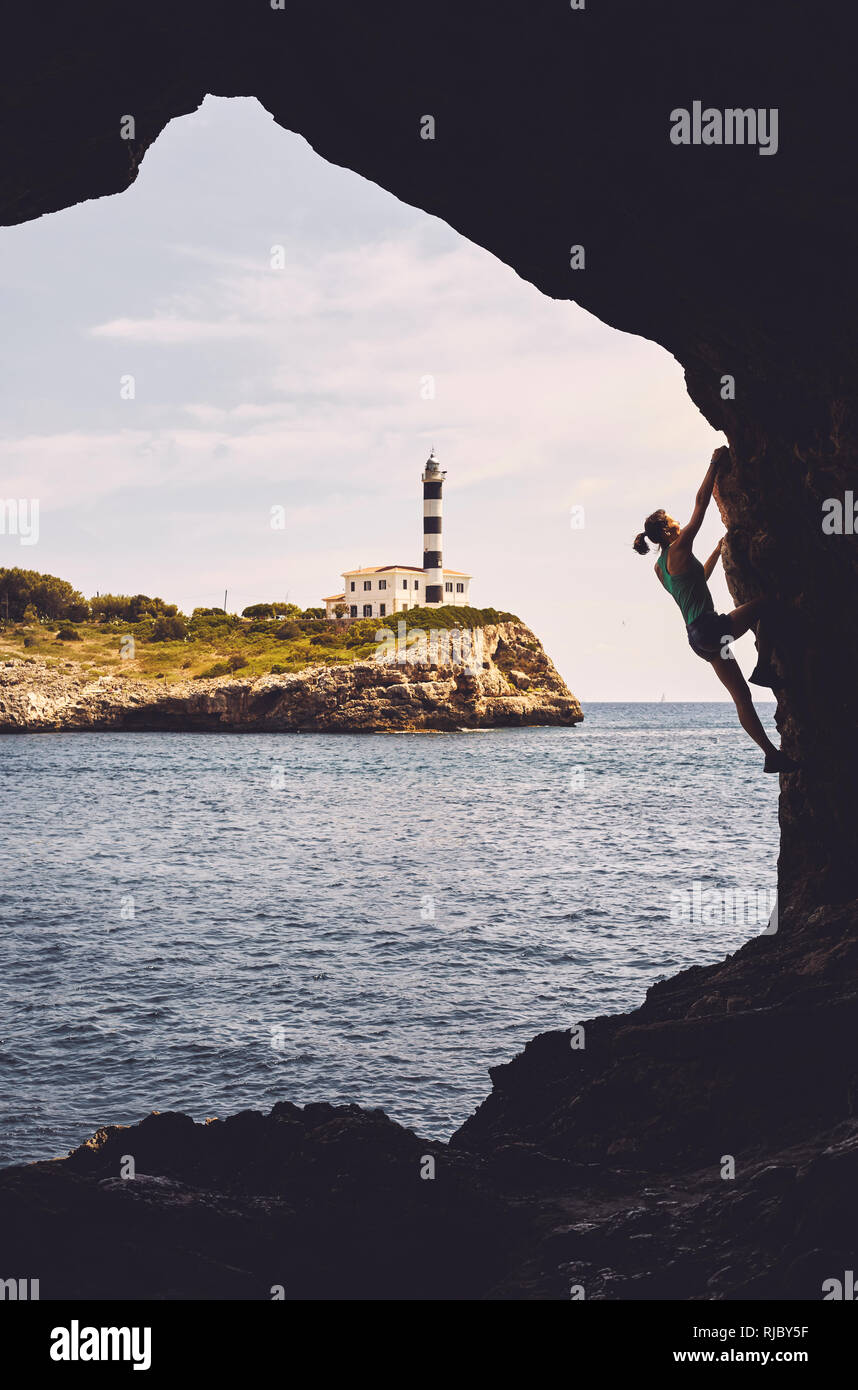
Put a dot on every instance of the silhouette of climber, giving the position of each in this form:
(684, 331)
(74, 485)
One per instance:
(711, 634)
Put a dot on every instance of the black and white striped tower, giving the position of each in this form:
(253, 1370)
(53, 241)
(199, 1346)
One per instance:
(433, 570)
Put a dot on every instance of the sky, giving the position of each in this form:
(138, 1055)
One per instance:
(300, 379)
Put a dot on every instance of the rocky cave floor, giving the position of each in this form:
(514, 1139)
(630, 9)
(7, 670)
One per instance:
(328, 1203)
(594, 1171)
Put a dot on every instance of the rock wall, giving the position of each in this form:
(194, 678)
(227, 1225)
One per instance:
(511, 681)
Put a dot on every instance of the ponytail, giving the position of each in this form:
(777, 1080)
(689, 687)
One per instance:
(657, 528)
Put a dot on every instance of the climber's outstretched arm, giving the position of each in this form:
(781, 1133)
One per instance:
(710, 564)
(685, 539)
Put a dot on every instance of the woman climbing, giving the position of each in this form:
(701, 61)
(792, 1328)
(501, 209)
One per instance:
(711, 634)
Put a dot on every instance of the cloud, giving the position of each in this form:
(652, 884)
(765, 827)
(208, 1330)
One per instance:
(167, 330)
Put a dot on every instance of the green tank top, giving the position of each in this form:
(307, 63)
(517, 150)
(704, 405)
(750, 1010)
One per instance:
(689, 589)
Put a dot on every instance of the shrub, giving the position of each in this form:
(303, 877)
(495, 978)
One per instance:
(210, 625)
(168, 630)
(68, 634)
(220, 668)
(445, 616)
(287, 632)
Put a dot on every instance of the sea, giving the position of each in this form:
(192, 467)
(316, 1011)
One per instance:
(215, 922)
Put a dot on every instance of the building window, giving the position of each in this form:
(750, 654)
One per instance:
(353, 609)
(382, 583)
(382, 610)
(416, 583)
(352, 586)
(460, 588)
(405, 583)
(448, 588)
(367, 584)
(367, 610)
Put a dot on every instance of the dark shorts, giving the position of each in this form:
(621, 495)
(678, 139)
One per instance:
(706, 634)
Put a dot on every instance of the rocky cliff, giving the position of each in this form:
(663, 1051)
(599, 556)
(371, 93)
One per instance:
(504, 678)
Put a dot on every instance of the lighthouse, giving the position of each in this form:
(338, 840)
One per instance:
(433, 569)
(379, 591)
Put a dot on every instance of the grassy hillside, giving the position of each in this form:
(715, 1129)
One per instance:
(221, 645)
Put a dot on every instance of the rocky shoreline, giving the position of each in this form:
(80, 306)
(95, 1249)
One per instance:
(508, 682)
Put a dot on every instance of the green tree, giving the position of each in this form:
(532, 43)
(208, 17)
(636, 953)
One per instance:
(111, 608)
(142, 606)
(52, 599)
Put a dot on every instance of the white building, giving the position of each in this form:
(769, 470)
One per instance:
(377, 591)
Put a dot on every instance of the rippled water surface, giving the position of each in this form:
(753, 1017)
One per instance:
(211, 922)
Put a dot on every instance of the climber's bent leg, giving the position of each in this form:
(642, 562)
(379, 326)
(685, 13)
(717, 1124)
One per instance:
(759, 614)
(747, 615)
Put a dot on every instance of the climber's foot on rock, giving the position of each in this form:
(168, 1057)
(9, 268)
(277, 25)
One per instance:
(765, 674)
(779, 762)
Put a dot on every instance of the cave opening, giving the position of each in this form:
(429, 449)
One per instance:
(233, 335)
